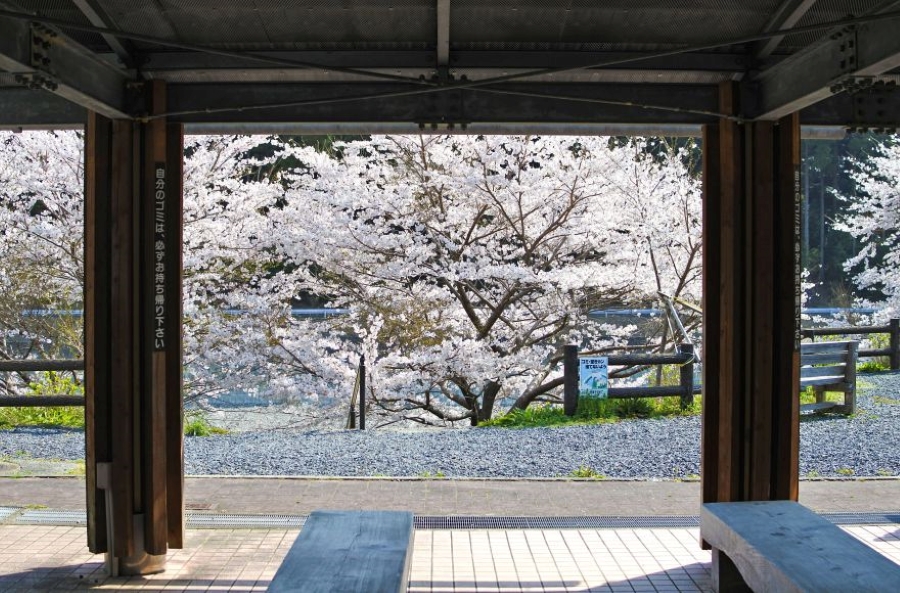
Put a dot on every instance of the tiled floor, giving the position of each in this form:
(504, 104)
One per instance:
(45, 558)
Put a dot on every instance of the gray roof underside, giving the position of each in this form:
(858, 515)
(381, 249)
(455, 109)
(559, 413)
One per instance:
(477, 38)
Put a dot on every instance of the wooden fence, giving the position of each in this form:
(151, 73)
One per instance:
(29, 366)
(684, 357)
(892, 329)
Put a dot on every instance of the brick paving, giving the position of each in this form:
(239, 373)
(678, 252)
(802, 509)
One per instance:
(52, 558)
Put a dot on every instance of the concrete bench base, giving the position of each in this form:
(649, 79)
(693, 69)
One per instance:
(783, 547)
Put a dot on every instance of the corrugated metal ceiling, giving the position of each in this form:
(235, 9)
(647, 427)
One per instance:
(474, 24)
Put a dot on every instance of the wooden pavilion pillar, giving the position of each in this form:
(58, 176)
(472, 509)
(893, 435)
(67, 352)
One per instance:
(751, 285)
(133, 411)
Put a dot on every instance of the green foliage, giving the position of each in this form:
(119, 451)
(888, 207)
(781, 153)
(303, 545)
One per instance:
(47, 383)
(880, 363)
(808, 396)
(594, 411)
(433, 475)
(78, 470)
(586, 471)
(871, 366)
(197, 425)
(845, 471)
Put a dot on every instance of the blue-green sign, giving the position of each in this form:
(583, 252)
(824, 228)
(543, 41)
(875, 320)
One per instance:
(593, 377)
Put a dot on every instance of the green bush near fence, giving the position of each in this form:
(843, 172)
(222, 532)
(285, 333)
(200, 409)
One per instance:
(47, 383)
(594, 411)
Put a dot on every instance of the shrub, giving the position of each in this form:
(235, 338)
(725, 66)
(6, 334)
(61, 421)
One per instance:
(197, 425)
(48, 383)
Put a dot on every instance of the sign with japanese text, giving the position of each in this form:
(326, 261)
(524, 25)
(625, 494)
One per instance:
(159, 257)
(593, 377)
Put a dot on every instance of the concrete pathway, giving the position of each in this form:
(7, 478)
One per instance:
(561, 498)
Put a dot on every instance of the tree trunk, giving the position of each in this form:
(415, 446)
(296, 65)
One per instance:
(488, 396)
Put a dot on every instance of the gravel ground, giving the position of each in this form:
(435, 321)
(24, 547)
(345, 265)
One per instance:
(867, 444)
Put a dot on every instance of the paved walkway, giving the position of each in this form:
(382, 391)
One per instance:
(561, 498)
(662, 560)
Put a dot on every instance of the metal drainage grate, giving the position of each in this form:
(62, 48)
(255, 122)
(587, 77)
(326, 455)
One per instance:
(7, 512)
(223, 521)
(459, 522)
(51, 517)
(867, 518)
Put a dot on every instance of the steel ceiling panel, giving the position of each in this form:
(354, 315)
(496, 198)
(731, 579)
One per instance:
(612, 21)
(67, 11)
(280, 24)
(826, 11)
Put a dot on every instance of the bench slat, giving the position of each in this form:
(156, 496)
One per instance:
(841, 346)
(823, 358)
(783, 546)
(818, 406)
(349, 552)
(833, 371)
(839, 382)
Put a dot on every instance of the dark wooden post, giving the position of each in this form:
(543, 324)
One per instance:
(362, 392)
(895, 344)
(133, 439)
(750, 437)
(686, 377)
(570, 380)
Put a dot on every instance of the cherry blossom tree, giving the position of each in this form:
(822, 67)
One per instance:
(465, 262)
(468, 262)
(41, 246)
(872, 216)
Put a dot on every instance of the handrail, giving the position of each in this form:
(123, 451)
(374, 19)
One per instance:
(892, 329)
(19, 366)
(42, 400)
(685, 389)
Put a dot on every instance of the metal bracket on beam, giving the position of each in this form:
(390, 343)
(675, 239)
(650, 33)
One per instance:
(443, 126)
(871, 109)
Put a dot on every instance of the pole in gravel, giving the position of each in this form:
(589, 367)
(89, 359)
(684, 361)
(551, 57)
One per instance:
(687, 376)
(895, 344)
(362, 392)
(570, 380)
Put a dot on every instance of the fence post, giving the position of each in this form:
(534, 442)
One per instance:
(687, 376)
(570, 383)
(895, 344)
(362, 392)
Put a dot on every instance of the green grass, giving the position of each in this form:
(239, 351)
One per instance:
(585, 471)
(845, 471)
(48, 383)
(433, 475)
(78, 470)
(594, 411)
(871, 366)
(197, 425)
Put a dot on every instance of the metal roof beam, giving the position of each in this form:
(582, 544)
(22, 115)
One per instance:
(443, 33)
(35, 109)
(462, 59)
(786, 16)
(247, 103)
(98, 17)
(807, 77)
(47, 59)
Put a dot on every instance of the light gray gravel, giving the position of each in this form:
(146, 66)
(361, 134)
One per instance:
(867, 444)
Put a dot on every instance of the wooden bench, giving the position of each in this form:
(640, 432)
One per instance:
(783, 547)
(349, 552)
(835, 370)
